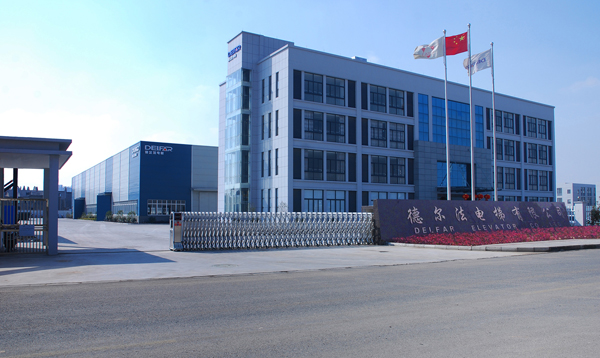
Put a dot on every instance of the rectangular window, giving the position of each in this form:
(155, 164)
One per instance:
(277, 122)
(277, 195)
(297, 87)
(313, 164)
(270, 121)
(509, 150)
(498, 149)
(397, 171)
(364, 131)
(531, 127)
(336, 201)
(262, 200)
(297, 164)
(313, 125)
(352, 130)
(509, 174)
(375, 195)
(378, 169)
(543, 180)
(262, 129)
(269, 167)
(262, 164)
(263, 91)
(410, 112)
(532, 153)
(270, 89)
(500, 178)
(498, 121)
(365, 168)
(378, 133)
(396, 102)
(351, 94)
(509, 123)
(161, 207)
(423, 117)
(313, 200)
(276, 95)
(397, 136)
(542, 129)
(336, 91)
(277, 161)
(533, 179)
(336, 166)
(352, 167)
(378, 103)
(543, 154)
(336, 128)
(313, 87)
(297, 123)
(245, 97)
(364, 96)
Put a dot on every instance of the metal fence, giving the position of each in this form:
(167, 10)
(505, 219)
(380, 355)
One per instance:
(210, 231)
(23, 225)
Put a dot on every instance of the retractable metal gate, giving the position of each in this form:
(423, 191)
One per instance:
(23, 226)
(210, 231)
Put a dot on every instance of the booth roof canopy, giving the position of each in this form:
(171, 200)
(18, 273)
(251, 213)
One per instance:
(32, 153)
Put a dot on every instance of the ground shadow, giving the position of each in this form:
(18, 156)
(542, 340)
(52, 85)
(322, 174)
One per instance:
(21, 263)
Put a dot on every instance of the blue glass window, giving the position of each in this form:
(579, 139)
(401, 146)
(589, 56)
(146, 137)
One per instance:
(459, 115)
(423, 117)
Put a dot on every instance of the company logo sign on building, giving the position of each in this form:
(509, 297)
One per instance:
(157, 149)
(233, 53)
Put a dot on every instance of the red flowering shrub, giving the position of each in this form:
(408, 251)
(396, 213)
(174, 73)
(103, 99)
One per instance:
(503, 236)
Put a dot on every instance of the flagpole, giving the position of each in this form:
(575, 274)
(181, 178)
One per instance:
(448, 187)
(471, 119)
(494, 125)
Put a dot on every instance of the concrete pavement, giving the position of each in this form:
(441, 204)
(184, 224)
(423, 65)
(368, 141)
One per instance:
(100, 251)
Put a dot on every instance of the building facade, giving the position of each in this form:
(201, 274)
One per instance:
(303, 130)
(569, 193)
(151, 180)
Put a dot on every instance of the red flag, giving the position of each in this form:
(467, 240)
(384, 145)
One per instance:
(456, 44)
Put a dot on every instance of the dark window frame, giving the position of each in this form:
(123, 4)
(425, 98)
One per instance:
(379, 169)
(336, 128)
(378, 133)
(313, 87)
(377, 98)
(396, 101)
(313, 164)
(335, 90)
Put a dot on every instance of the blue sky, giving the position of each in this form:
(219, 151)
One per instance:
(107, 74)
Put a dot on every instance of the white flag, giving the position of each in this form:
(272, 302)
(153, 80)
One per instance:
(479, 62)
(431, 51)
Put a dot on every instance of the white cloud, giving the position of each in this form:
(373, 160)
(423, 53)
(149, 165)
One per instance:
(589, 82)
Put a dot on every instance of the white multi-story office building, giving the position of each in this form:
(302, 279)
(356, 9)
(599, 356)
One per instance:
(303, 130)
(569, 193)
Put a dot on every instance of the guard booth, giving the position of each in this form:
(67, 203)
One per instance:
(30, 225)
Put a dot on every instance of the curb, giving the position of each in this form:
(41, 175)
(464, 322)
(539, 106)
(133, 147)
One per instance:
(501, 248)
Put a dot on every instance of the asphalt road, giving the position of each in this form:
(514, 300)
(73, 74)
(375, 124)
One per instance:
(541, 305)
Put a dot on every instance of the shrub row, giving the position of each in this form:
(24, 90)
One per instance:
(120, 218)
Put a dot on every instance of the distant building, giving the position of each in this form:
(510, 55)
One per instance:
(569, 193)
(65, 197)
(151, 180)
